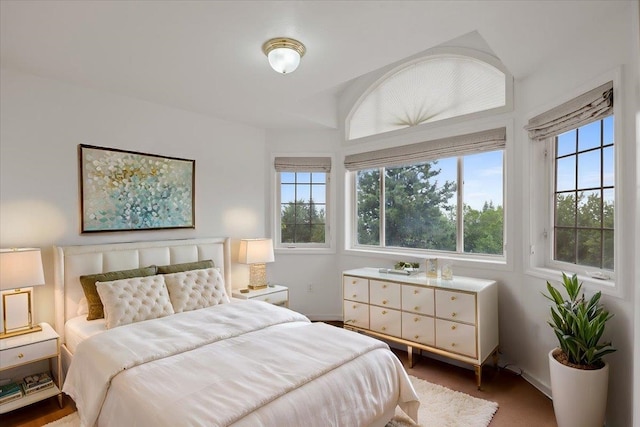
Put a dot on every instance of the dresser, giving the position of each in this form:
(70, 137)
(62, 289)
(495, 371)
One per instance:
(455, 318)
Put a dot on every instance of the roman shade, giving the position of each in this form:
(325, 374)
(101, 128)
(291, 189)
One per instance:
(488, 140)
(586, 108)
(302, 164)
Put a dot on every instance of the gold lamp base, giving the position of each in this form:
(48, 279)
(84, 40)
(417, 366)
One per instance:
(9, 334)
(257, 276)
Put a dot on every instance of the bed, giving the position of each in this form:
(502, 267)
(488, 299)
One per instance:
(221, 363)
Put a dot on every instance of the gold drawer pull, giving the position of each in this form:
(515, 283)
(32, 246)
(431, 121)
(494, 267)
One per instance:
(354, 295)
(384, 286)
(416, 291)
(453, 327)
(384, 311)
(355, 306)
(266, 300)
(453, 314)
(453, 344)
(354, 282)
(416, 308)
(416, 319)
(384, 301)
(384, 328)
(20, 356)
(416, 337)
(453, 298)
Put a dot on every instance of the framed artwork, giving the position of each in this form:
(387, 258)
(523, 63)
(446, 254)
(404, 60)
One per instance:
(124, 190)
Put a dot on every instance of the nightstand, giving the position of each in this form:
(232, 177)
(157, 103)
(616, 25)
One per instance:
(274, 294)
(19, 356)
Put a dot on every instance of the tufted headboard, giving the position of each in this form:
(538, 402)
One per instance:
(71, 262)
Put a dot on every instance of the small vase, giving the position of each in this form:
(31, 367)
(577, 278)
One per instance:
(579, 395)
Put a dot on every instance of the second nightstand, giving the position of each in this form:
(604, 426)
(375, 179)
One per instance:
(274, 294)
(22, 350)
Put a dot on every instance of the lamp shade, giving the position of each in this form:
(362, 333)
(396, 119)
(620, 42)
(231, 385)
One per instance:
(20, 268)
(256, 251)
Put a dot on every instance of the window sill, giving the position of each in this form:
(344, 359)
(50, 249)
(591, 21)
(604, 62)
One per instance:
(608, 287)
(304, 251)
(488, 262)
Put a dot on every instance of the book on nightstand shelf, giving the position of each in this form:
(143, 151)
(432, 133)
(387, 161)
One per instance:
(36, 382)
(10, 392)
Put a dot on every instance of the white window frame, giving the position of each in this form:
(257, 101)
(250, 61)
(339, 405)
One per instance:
(491, 262)
(306, 248)
(538, 215)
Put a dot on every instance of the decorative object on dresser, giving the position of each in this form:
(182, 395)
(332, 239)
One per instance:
(455, 318)
(274, 294)
(21, 357)
(431, 267)
(579, 376)
(124, 190)
(256, 253)
(20, 270)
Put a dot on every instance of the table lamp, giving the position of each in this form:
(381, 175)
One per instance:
(20, 270)
(256, 253)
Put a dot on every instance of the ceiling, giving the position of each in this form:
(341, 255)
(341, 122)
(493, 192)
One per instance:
(205, 56)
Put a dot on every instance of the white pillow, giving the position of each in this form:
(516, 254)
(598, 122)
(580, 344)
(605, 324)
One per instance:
(134, 300)
(194, 289)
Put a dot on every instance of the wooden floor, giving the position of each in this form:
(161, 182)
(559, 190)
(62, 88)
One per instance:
(521, 405)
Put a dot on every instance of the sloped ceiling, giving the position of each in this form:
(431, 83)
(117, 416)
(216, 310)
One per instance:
(205, 56)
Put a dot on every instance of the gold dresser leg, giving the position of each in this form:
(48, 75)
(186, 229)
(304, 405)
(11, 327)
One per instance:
(478, 371)
(410, 353)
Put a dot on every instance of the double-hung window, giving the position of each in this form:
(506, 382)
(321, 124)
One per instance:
(302, 199)
(441, 195)
(579, 146)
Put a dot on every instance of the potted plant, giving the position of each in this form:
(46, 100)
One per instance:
(579, 375)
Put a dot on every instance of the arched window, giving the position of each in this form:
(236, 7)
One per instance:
(430, 89)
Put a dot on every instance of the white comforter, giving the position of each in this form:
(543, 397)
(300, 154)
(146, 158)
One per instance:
(231, 365)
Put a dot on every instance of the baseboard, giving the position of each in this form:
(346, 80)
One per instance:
(543, 388)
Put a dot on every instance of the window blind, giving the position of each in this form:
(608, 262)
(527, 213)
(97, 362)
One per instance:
(302, 164)
(489, 140)
(586, 108)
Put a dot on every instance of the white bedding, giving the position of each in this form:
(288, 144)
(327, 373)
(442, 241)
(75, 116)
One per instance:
(226, 365)
(78, 329)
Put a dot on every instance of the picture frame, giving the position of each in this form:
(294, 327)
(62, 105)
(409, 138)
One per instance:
(123, 190)
(432, 268)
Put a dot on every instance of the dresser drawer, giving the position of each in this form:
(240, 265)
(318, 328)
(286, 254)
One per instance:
(385, 294)
(418, 328)
(385, 320)
(355, 288)
(458, 306)
(277, 298)
(418, 299)
(356, 314)
(456, 337)
(28, 353)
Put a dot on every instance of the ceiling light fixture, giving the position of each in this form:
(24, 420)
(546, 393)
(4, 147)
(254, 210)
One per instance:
(284, 54)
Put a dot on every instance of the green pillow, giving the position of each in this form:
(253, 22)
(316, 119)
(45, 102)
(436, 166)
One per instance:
(96, 310)
(187, 266)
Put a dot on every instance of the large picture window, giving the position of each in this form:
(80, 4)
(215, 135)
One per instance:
(439, 202)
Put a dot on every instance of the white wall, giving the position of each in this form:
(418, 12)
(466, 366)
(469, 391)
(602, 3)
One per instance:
(525, 337)
(43, 121)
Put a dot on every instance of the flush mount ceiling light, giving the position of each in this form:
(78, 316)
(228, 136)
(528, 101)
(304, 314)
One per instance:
(284, 54)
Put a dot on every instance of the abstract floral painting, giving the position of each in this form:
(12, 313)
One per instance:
(124, 190)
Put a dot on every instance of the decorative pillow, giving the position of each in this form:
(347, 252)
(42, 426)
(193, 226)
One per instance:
(134, 300)
(89, 287)
(187, 266)
(191, 290)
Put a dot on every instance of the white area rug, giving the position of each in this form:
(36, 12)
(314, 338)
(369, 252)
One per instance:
(439, 407)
